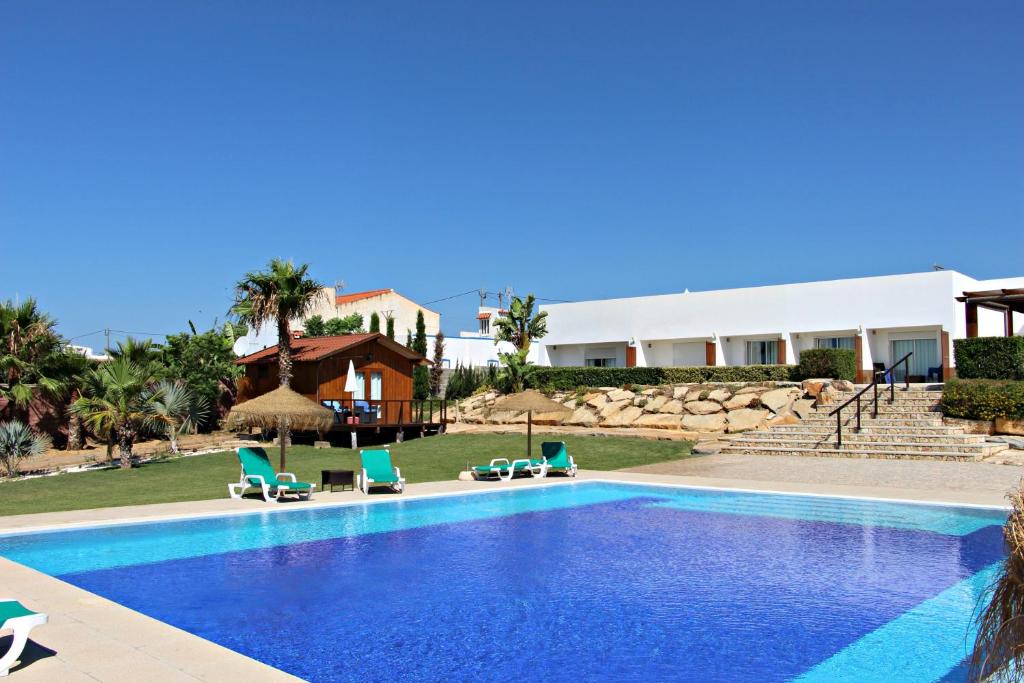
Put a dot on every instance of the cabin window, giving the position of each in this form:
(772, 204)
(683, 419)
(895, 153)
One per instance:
(360, 393)
(763, 352)
(263, 371)
(834, 343)
(376, 383)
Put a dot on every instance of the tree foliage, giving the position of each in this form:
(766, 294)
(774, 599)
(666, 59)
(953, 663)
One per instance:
(374, 323)
(390, 328)
(205, 364)
(420, 374)
(29, 354)
(316, 326)
(520, 325)
(17, 441)
(437, 369)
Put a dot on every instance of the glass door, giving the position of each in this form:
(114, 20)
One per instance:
(926, 357)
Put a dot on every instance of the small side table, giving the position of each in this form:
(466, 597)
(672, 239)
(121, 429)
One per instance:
(334, 478)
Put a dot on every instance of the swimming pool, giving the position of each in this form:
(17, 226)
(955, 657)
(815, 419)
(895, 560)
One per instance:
(581, 581)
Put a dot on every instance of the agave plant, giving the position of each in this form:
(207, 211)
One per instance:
(17, 441)
(174, 409)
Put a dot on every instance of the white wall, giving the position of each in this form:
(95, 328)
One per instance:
(917, 300)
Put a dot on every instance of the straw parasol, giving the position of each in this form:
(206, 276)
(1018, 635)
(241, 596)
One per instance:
(531, 401)
(284, 409)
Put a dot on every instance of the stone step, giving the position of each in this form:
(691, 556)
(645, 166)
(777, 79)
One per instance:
(866, 415)
(770, 441)
(854, 453)
(884, 403)
(880, 422)
(851, 435)
(867, 427)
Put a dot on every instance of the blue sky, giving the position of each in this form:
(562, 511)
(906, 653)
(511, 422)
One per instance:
(152, 152)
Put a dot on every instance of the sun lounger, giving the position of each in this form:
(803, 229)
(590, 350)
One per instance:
(377, 470)
(21, 620)
(556, 457)
(257, 472)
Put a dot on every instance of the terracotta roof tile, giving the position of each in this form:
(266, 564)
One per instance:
(307, 349)
(359, 296)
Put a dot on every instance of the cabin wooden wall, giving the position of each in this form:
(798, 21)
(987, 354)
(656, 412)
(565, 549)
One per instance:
(395, 369)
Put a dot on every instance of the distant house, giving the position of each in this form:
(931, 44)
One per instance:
(383, 380)
(384, 302)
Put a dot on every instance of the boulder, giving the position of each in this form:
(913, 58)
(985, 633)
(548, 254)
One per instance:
(709, 447)
(583, 418)
(843, 385)
(695, 393)
(745, 419)
(704, 423)
(650, 392)
(675, 407)
(1006, 426)
(552, 418)
(751, 390)
(719, 395)
(827, 396)
(654, 404)
(623, 418)
(679, 392)
(702, 407)
(803, 407)
(783, 419)
(597, 400)
(777, 399)
(660, 421)
(613, 407)
(813, 387)
(505, 416)
(620, 395)
(740, 401)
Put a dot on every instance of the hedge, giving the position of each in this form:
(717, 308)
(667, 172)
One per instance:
(989, 358)
(983, 399)
(828, 364)
(569, 378)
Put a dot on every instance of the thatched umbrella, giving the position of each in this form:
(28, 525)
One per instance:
(532, 402)
(281, 406)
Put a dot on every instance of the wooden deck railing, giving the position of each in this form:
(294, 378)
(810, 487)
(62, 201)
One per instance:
(388, 412)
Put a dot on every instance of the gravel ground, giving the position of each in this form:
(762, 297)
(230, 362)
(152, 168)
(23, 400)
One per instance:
(931, 475)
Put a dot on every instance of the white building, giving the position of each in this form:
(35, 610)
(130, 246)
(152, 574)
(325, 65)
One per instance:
(881, 318)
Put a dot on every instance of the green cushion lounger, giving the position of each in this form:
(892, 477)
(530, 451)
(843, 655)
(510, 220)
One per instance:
(21, 620)
(378, 471)
(257, 472)
(505, 470)
(556, 457)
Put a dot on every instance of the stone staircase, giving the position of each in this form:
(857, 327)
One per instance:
(910, 428)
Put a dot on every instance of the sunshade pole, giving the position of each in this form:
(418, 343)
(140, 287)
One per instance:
(282, 437)
(529, 433)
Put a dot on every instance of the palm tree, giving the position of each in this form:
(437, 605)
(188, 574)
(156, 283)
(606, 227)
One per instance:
(143, 352)
(118, 401)
(280, 294)
(516, 371)
(175, 409)
(17, 441)
(28, 341)
(519, 325)
(71, 367)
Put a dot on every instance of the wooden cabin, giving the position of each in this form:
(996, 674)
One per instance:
(383, 377)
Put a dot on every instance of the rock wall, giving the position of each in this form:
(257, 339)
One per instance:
(727, 408)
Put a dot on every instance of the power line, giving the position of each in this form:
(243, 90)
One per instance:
(453, 296)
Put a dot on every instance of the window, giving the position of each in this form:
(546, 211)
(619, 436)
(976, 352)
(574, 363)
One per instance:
(360, 393)
(492, 363)
(834, 343)
(762, 352)
(485, 326)
(376, 380)
(600, 357)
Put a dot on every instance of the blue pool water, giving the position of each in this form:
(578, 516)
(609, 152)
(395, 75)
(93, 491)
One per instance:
(590, 581)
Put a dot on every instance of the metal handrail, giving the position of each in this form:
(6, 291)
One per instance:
(874, 385)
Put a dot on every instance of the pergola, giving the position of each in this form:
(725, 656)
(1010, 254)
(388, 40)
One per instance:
(1007, 301)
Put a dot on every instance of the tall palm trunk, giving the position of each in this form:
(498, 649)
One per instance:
(284, 359)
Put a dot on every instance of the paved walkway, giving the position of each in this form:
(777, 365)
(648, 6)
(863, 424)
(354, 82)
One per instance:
(964, 482)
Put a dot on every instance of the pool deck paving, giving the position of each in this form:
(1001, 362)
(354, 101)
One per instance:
(90, 638)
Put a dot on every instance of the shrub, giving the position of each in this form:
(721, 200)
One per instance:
(983, 399)
(827, 364)
(989, 358)
(570, 378)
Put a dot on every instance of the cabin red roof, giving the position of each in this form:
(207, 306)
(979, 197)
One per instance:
(312, 349)
(359, 296)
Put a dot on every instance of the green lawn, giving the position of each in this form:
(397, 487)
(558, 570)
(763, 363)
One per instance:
(206, 476)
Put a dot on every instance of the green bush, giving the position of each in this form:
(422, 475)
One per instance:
(983, 399)
(570, 378)
(989, 358)
(827, 364)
